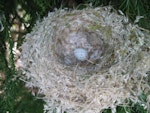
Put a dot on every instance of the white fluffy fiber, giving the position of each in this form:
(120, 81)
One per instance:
(62, 88)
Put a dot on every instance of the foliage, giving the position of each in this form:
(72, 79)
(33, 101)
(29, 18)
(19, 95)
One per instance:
(16, 98)
(137, 108)
(133, 8)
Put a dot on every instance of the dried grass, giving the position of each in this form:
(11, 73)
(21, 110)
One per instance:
(123, 73)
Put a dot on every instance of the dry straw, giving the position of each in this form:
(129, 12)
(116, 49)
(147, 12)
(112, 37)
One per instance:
(120, 74)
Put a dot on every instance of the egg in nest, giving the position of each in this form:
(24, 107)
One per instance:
(79, 47)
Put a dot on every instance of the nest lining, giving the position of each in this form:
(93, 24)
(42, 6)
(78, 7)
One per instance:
(122, 72)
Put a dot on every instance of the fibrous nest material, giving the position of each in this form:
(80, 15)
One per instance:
(113, 63)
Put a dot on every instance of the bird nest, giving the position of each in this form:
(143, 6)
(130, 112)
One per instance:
(84, 61)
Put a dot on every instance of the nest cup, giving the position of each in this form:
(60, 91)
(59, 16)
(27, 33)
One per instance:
(87, 60)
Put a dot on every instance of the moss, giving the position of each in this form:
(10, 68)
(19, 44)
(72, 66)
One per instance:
(108, 31)
(95, 27)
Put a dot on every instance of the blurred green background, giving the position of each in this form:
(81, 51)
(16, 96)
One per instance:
(18, 17)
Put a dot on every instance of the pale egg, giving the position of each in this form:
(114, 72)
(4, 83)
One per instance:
(81, 54)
